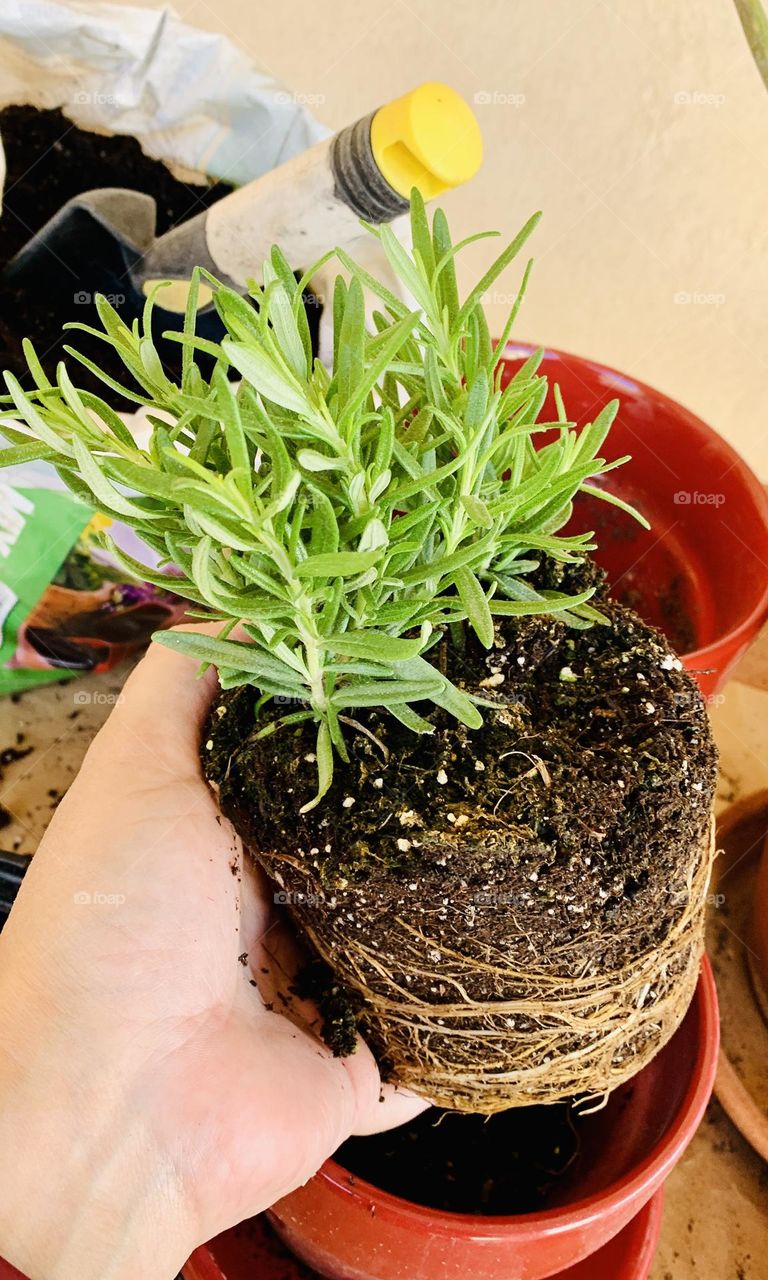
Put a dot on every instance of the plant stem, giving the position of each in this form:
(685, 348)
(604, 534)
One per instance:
(755, 24)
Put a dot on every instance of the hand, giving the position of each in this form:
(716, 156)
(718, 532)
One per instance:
(149, 1097)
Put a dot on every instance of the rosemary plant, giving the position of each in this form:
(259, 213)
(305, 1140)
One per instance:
(344, 517)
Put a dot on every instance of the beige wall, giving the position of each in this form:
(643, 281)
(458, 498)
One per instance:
(642, 133)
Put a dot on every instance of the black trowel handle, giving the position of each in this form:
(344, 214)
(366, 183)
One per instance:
(13, 867)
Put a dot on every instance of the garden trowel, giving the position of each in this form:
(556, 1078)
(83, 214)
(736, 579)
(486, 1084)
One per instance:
(104, 241)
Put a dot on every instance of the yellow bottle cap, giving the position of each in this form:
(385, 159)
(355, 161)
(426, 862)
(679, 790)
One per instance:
(428, 139)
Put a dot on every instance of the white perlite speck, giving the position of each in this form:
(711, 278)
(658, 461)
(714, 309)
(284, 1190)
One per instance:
(442, 777)
(670, 663)
(347, 802)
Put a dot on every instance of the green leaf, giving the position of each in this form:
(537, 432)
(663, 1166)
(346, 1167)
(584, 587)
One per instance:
(311, 460)
(234, 434)
(477, 511)
(420, 233)
(373, 644)
(35, 420)
(551, 602)
(446, 268)
(442, 566)
(106, 496)
(283, 320)
(380, 693)
(324, 753)
(477, 402)
(340, 564)
(232, 654)
(447, 696)
(615, 501)
(410, 718)
(350, 357)
(368, 378)
(476, 604)
(15, 454)
(393, 304)
(261, 372)
(42, 381)
(494, 271)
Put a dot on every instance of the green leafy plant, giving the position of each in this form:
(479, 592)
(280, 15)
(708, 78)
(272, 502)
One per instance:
(344, 517)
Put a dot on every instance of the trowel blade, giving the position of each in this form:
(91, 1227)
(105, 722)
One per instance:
(90, 236)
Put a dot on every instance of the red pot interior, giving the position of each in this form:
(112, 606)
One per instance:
(701, 572)
(350, 1230)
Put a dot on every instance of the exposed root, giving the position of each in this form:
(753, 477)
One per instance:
(558, 1029)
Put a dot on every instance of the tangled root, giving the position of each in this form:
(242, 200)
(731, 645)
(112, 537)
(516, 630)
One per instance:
(561, 1029)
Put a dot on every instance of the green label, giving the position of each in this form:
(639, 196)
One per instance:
(37, 529)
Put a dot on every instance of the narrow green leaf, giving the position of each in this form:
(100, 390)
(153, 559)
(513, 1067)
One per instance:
(266, 377)
(340, 564)
(410, 718)
(494, 271)
(378, 693)
(373, 644)
(324, 753)
(477, 510)
(551, 602)
(230, 653)
(476, 604)
(350, 356)
(283, 320)
(615, 501)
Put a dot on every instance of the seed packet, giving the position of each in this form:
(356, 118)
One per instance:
(65, 608)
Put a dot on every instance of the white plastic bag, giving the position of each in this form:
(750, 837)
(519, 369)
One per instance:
(191, 98)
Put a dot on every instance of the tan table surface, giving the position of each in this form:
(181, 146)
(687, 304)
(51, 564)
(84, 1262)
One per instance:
(716, 1214)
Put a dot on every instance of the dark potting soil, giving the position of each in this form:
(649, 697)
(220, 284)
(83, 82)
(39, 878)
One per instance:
(50, 160)
(507, 1164)
(574, 808)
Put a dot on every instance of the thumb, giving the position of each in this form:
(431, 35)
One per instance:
(162, 708)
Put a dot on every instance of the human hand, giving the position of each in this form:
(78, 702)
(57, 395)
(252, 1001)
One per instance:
(149, 1097)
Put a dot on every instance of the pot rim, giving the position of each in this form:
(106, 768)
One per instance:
(645, 1177)
(753, 621)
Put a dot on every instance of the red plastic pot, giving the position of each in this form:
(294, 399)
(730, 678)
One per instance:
(701, 573)
(252, 1252)
(347, 1229)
